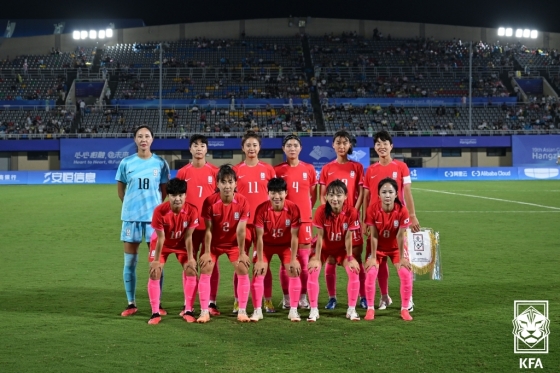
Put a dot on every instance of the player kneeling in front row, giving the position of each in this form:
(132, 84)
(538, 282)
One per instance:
(225, 214)
(277, 224)
(174, 222)
(335, 221)
(388, 220)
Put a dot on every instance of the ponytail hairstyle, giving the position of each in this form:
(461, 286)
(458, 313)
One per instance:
(351, 139)
(334, 187)
(226, 170)
(393, 183)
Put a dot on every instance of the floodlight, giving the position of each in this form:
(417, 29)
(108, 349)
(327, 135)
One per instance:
(83, 34)
(109, 33)
(526, 33)
(509, 31)
(101, 34)
(76, 35)
(501, 31)
(534, 34)
(92, 34)
(518, 33)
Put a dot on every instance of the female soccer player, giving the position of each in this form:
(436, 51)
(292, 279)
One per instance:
(335, 221)
(397, 170)
(253, 176)
(351, 173)
(301, 180)
(174, 222)
(201, 177)
(388, 220)
(277, 223)
(225, 213)
(140, 183)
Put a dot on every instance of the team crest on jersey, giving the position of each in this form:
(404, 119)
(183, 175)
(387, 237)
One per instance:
(236, 216)
(288, 222)
(209, 179)
(262, 175)
(305, 176)
(395, 175)
(396, 223)
(156, 172)
(345, 226)
(185, 223)
(352, 174)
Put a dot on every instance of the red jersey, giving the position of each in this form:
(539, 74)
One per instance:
(252, 183)
(387, 224)
(350, 173)
(225, 218)
(277, 224)
(336, 225)
(174, 225)
(300, 179)
(396, 170)
(201, 183)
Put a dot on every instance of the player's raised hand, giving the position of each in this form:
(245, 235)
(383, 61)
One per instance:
(204, 260)
(155, 270)
(414, 224)
(370, 263)
(295, 267)
(314, 264)
(259, 268)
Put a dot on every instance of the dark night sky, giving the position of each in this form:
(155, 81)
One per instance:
(543, 15)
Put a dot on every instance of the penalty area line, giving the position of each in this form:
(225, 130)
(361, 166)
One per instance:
(489, 198)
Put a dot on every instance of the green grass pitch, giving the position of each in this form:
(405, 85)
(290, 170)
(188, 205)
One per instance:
(61, 293)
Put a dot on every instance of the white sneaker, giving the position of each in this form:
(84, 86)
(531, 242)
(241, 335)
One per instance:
(303, 302)
(411, 305)
(352, 315)
(257, 315)
(384, 302)
(294, 315)
(286, 302)
(313, 315)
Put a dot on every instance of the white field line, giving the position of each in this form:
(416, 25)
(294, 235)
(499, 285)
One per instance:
(489, 198)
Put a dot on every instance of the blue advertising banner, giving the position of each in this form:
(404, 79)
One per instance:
(532, 86)
(453, 142)
(423, 102)
(239, 103)
(533, 150)
(466, 173)
(94, 154)
(85, 89)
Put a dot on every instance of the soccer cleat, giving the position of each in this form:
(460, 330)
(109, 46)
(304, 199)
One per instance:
(162, 311)
(352, 315)
(155, 319)
(363, 303)
(268, 306)
(235, 307)
(313, 315)
(410, 305)
(303, 302)
(130, 310)
(213, 309)
(183, 311)
(242, 316)
(286, 302)
(385, 302)
(370, 314)
(189, 316)
(257, 315)
(294, 316)
(331, 304)
(406, 315)
(203, 318)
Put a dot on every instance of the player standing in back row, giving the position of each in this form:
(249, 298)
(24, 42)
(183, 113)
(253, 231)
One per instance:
(141, 180)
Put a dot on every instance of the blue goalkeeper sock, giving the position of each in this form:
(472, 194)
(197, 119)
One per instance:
(161, 286)
(129, 276)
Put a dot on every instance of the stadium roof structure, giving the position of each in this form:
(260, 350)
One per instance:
(38, 27)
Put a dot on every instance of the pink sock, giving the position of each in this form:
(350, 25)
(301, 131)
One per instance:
(383, 277)
(243, 289)
(295, 291)
(303, 257)
(189, 288)
(406, 286)
(371, 275)
(204, 291)
(353, 287)
(235, 283)
(154, 292)
(362, 277)
(257, 290)
(330, 279)
(214, 282)
(268, 284)
(284, 280)
(313, 288)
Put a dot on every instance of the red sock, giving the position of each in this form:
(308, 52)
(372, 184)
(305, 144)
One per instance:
(330, 279)
(353, 287)
(268, 284)
(284, 280)
(257, 290)
(294, 290)
(189, 289)
(362, 279)
(383, 277)
(243, 288)
(154, 292)
(204, 291)
(235, 283)
(214, 282)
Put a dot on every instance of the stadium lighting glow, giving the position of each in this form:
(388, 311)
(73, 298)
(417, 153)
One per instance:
(501, 31)
(83, 34)
(109, 32)
(93, 34)
(526, 33)
(509, 31)
(76, 35)
(518, 33)
(101, 34)
(534, 34)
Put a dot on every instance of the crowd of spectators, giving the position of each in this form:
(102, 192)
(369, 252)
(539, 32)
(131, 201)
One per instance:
(54, 122)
